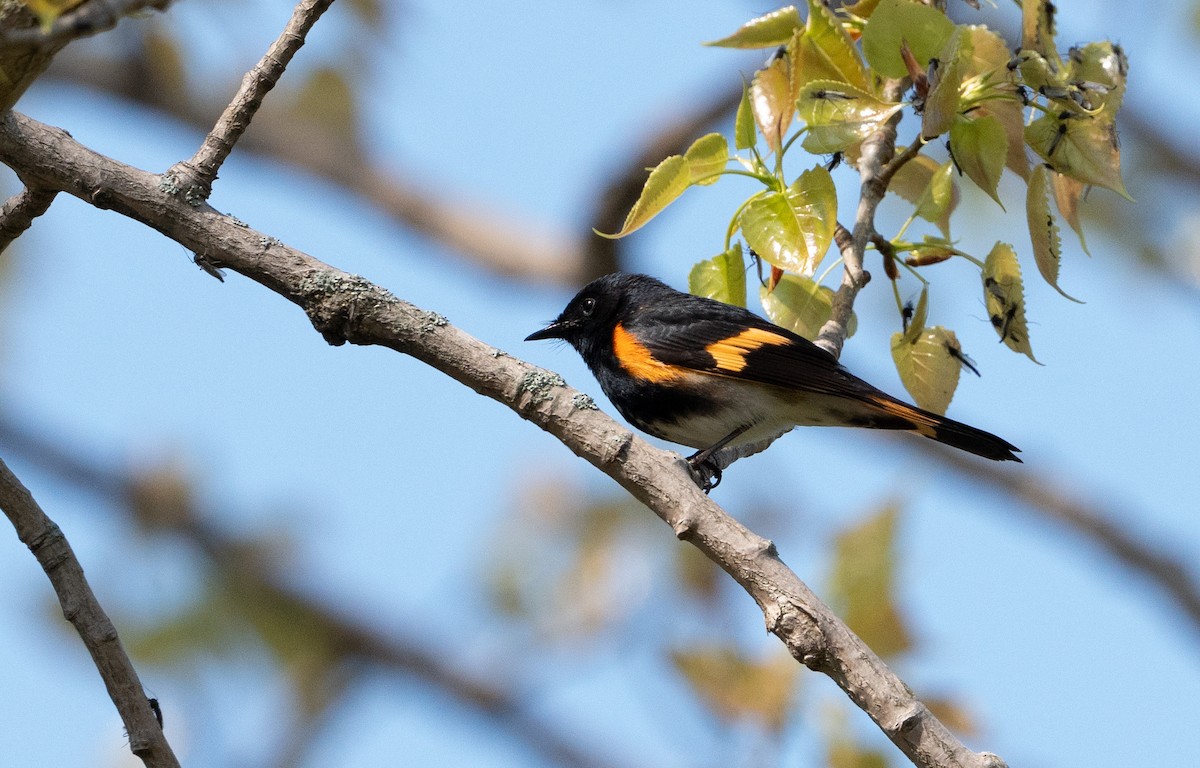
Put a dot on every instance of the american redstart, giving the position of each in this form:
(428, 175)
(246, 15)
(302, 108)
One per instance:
(705, 374)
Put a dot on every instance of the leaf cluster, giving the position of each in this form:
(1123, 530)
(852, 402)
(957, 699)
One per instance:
(827, 87)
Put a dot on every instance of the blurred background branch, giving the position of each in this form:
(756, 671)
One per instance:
(161, 503)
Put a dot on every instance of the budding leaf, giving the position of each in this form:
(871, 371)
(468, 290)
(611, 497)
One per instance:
(771, 101)
(1043, 231)
(916, 323)
(743, 125)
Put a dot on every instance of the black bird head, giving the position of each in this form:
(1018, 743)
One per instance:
(595, 310)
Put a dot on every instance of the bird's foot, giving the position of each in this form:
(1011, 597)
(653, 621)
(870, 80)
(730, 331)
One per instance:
(705, 471)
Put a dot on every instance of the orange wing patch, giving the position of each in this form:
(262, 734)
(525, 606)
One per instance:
(638, 361)
(730, 354)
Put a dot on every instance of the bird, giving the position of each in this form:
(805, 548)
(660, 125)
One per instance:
(704, 374)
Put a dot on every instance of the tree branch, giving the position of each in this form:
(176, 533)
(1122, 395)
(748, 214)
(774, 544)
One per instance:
(238, 559)
(49, 545)
(197, 175)
(346, 307)
(20, 210)
(89, 18)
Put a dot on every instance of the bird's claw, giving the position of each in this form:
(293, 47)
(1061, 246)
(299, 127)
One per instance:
(705, 471)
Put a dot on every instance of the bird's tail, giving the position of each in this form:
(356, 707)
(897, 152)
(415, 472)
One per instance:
(901, 415)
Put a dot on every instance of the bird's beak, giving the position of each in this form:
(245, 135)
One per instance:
(555, 330)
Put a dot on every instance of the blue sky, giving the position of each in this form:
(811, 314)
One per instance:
(389, 476)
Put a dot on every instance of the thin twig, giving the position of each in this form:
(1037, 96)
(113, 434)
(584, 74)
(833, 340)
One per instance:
(877, 151)
(89, 18)
(49, 545)
(197, 175)
(345, 307)
(19, 211)
(912, 150)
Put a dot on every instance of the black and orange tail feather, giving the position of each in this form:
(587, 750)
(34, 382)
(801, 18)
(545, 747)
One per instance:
(948, 431)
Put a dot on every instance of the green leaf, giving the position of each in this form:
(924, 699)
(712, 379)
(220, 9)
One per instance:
(1043, 231)
(1082, 147)
(863, 8)
(737, 688)
(774, 28)
(942, 106)
(744, 135)
(1011, 116)
(989, 52)
(667, 181)
(862, 583)
(916, 323)
(771, 101)
(980, 148)
(826, 51)
(929, 363)
(911, 180)
(814, 196)
(1100, 64)
(839, 115)
(1037, 73)
(792, 229)
(1067, 194)
(1004, 297)
(706, 158)
(925, 29)
(940, 198)
(723, 277)
(1037, 28)
(802, 306)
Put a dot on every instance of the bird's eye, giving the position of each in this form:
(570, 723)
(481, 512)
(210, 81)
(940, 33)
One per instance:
(588, 306)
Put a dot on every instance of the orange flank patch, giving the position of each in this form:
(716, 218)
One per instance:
(638, 361)
(730, 354)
